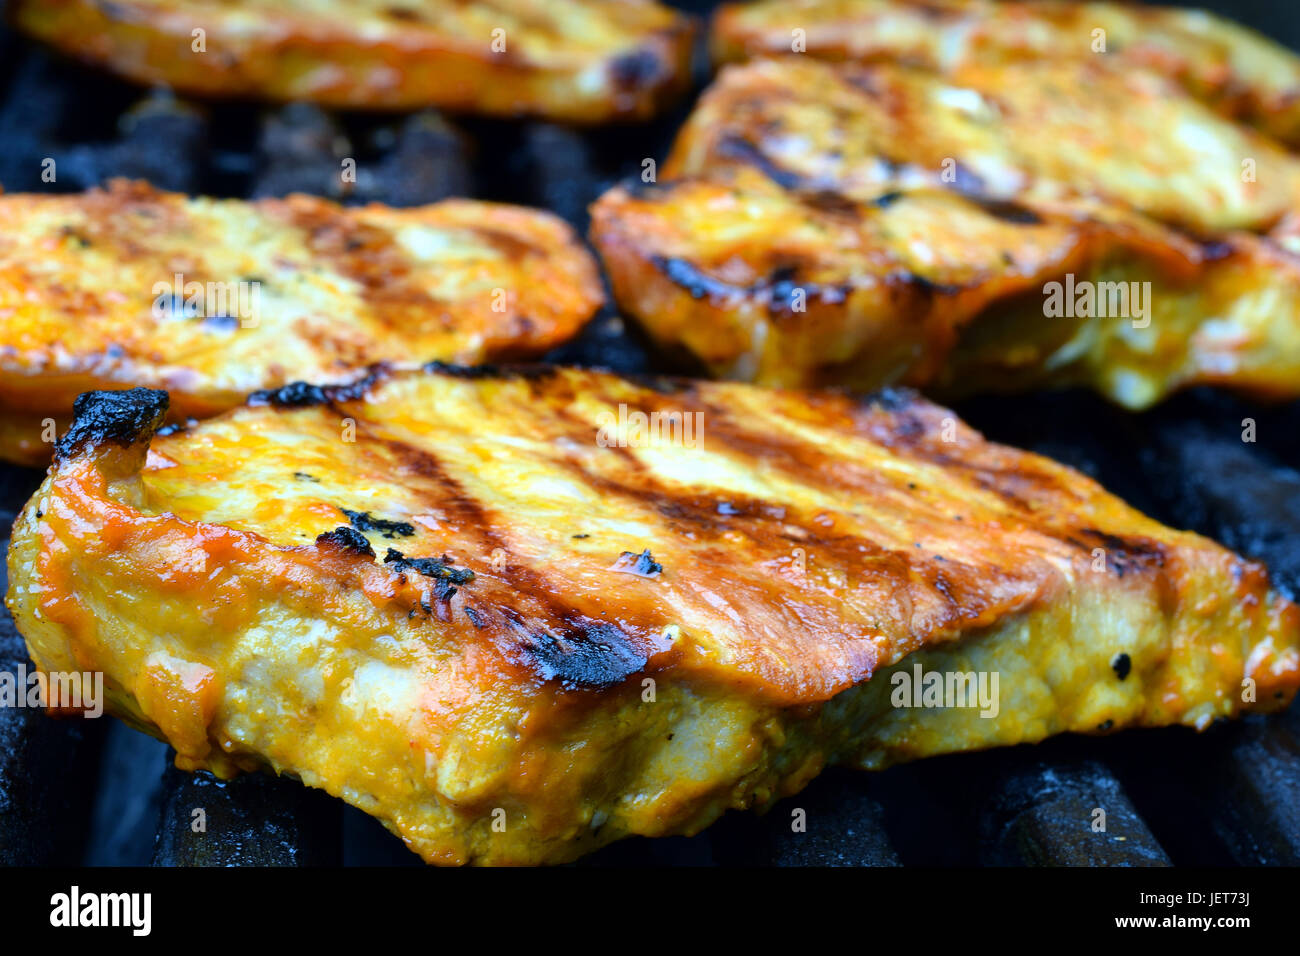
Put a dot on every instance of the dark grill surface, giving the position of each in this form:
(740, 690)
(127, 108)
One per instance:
(96, 792)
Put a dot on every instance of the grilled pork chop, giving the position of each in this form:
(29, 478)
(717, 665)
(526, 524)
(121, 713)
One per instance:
(1016, 131)
(928, 287)
(583, 61)
(1235, 70)
(517, 615)
(212, 299)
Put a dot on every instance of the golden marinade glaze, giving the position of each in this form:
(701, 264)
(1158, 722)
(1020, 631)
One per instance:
(534, 598)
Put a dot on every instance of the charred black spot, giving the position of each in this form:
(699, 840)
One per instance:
(348, 539)
(293, 395)
(437, 568)
(1007, 210)
(885, 200)
(531, 373)
(475, 618)
(122, 417)
(356, 390)
(635, 70)
(307, 395)
(779, 288)
(303, 476)
(837, 204)
(363, 521)
(588, 654)
(645, 564)
(1123, 554)
(698, 284)
(452, 370)
(1106, 724)
(926, 286)
(1121, 664)
(782, 288)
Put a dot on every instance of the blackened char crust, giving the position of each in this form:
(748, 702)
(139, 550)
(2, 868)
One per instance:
(307, 395)
(589, 654)
(532, 373)
(365, 521)
(348, 539)
(775, 290)
(121, 417)
(293, 395)
(740, 149)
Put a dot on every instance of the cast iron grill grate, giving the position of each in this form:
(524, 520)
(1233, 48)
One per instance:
(98, 793)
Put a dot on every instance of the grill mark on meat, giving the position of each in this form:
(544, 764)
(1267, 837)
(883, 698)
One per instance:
(1123, 554)
(896, 421)
(368, 255)
(1007, 210)
(308, 395)
(778, 288)
(534, 373)
(570, 647)
(510, 246)
(736, 147)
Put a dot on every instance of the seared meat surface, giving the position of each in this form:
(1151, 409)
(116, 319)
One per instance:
(1000, 228)
(212, 299)
(1235, 70)
(1017, 131)
(931, 288)
(517, 615)
(582, 61)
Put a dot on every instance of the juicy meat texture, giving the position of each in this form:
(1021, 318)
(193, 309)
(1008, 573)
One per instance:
(582, 61)
(212, 299)
(1235, 70)
(931, 288)
(842, 224)
(519, 614)
(1020, 130)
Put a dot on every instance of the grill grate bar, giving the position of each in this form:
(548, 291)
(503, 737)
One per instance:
(32, 110)
(45, 804)
(253, 820)
(1254, 799)
(1048, 815)
(129, 787)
